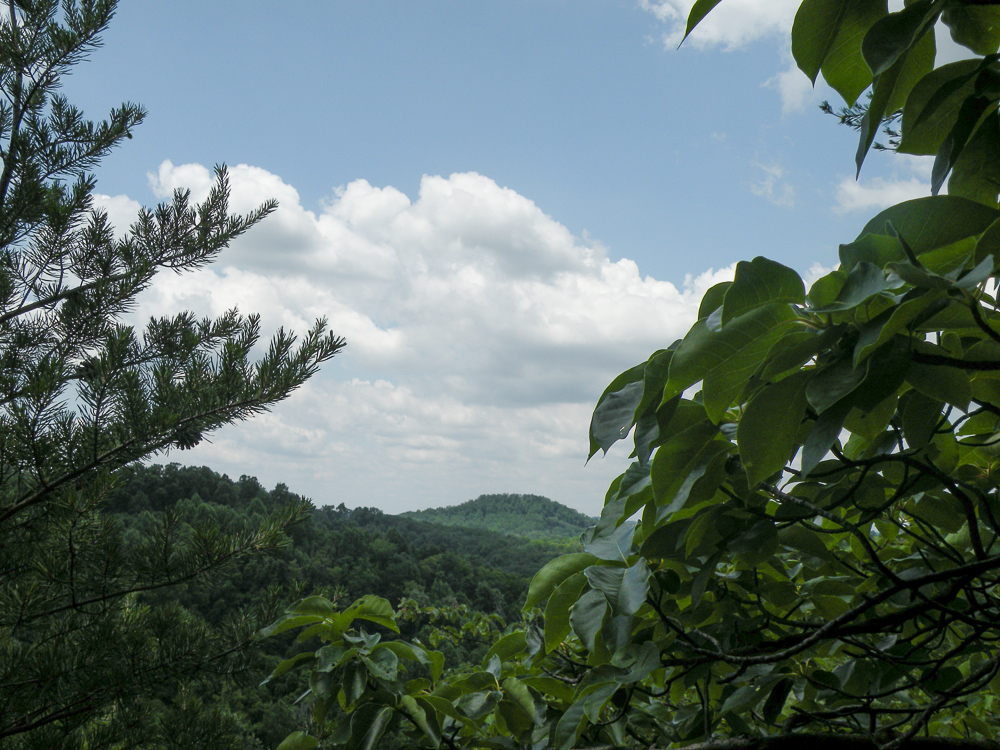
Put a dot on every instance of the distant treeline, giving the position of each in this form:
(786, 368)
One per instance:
(339, 552)
(529, 516)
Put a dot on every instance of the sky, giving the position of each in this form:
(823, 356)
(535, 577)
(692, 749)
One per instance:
(500, 205)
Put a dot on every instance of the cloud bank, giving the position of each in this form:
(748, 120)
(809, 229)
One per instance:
(480, 334)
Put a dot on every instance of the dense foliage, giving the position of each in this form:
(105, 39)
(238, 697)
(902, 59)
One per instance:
(808, 540)
(530, 516)
(454, 587)
(82, 395)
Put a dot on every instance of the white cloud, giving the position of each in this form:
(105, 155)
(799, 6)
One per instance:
(794, 87)
(122, 211)
(772, 185)
(909, 179)
(733, 24)
(480, 334)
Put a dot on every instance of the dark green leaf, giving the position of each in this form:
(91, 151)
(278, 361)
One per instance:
(948, 384)
(712, 299)
(975, 27)
(298, 741)
(758, 283)
(587, 616)
(557, 609)
(368, 723)
(769, 426)
(814, 31)
(933, 222)
(726, 358)
(932, 107)
(615, 412)
(863, 282)
(624, 588)
(891, 37)
(844, 66)
(554, 573)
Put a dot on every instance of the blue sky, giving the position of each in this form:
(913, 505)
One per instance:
(500, 204)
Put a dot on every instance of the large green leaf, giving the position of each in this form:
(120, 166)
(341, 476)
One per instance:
(932, 107)
(884, 326)
(624, 588)
(969, 115)
(948, 384)
(369, 607)
(824, 434)
(863, 282)
(976, 171)
(507, 647)
(767, 431)
(298, 741)
(587, 616)
(554, 573)
(726, 357)
(614, 414)
(830, 384)
(558, 608)
(891, 87)
(424, 716)
(878, 249)
(816, 25)
(891, 37)
(368, 723)
(975, 27)
(844, 66)
(682, 461)
(933, 222)
(758, 283)
(570, 725)
(614, 544)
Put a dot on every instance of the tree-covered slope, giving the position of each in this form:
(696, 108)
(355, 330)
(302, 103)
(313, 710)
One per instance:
(440, 574)
(528, 516)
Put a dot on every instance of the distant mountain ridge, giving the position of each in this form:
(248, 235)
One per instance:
(528, 516)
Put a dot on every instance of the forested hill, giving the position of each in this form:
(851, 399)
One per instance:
(528, 516)
(340, 552)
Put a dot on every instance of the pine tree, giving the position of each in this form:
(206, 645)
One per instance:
(82, 395)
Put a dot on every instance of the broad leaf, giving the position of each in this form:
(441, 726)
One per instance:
(932, 108)
(844, 66)
(624, 588)
(930, 223)
(816, 25)
(727, 357)
(975, 27)
(892, 36)
(758, 283)
(587, 616)
(614, 414)
(554, 573)
(368, 723)
(557, 609)
(769, 426)
(298, 741)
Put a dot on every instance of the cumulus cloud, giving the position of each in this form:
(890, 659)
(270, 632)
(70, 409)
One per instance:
(735, 24)
(122, 211)
(480, 334)
(909, 179)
